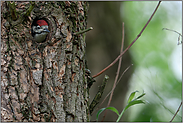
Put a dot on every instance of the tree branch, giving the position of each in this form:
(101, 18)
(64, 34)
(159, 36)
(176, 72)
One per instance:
(83, 31)
(129, 45)
(176, 112)
(117, 74)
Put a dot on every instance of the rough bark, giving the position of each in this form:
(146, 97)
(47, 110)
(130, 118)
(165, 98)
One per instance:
(43, 81)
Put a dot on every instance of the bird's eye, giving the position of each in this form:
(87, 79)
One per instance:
(38, 27)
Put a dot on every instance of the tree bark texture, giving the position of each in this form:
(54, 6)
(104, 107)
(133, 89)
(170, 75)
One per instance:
(43, 81)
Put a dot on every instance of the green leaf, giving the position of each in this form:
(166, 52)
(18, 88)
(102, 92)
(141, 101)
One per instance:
(141, 96)
(113, 109)
(129, 104)
(131, 96)
(110, 108)
(134, 102)
(99, 112)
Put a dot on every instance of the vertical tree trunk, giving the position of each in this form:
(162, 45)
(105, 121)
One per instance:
(43, 81)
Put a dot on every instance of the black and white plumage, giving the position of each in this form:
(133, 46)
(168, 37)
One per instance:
(40, 30)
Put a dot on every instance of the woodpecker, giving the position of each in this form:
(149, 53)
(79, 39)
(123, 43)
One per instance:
(40, 30)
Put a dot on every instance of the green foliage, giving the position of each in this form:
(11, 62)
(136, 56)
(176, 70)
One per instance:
(131, 101)
(131, 96)
(110, 108)
(156, 60)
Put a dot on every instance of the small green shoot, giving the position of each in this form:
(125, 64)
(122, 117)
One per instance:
(131, 96)
(131, 101)
(110, 108)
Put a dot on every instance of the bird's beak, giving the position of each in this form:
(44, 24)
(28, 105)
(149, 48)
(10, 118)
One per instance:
(46, 30)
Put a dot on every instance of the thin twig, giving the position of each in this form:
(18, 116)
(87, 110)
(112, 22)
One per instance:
(83, 31)
(176, 112)
(111, 90)
(129, 45)
(119, 66)
(172, 30)
(124, 73)
(117, 74)
(175, 32)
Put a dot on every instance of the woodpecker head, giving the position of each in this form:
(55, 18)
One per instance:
(40, 30)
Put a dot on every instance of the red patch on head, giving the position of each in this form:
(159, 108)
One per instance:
(42, 22)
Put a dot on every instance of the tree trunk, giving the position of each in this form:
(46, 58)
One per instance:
(43, 81)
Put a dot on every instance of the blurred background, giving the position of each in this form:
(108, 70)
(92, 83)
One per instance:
(156, 57)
